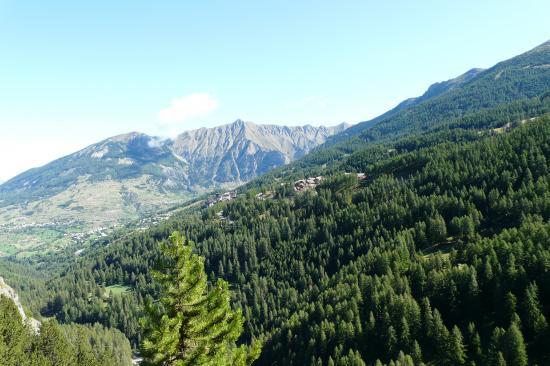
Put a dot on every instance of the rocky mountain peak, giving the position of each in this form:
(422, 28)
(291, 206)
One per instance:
(126, 137)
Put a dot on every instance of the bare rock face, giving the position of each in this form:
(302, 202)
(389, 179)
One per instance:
(10, 293)
(239, 151)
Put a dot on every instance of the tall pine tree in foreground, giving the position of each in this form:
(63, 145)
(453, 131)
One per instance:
(192, 323)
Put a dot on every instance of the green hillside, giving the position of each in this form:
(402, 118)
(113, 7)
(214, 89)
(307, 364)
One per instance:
(366, 269)
(440, 256)
(515, 80)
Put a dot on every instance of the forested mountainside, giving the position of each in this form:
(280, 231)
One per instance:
(130, 176)
(22, 343)
(387, 268)
(511, 90)
(439, 254)
(521, 77)
(357, 154)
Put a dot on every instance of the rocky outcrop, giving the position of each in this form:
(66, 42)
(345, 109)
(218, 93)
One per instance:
(241, 150)
(10, 293)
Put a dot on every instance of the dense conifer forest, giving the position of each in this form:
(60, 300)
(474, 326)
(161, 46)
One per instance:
(58, 345)
(440, 256)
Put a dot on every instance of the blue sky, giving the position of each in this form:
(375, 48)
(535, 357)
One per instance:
(75, 72)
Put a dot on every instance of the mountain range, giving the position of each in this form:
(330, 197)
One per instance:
(127, 176)
(437, 255)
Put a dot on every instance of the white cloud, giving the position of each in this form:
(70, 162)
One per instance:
(187, 107)
(156, 142)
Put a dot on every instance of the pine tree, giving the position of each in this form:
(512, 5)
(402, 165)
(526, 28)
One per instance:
(405, 334)
(456, 352)
(391, 342)
(514, 346)
(437, 230)
(191, 324)
(84, 353)
(474, 343)
(534, 318)
(468, 227)
(14, 336)
(417, 352)
(53, 345)
(440, 335)
(510, 303)
(500, 361)
(494, 355)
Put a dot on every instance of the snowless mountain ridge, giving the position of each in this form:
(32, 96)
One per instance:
(130, 176)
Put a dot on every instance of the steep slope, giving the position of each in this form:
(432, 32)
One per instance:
(127, 176)
(10, 293)
(362, 266)
(80, 195)
(444, 243)
(521, 77)
(243, 150)
(118, 158)
(439, 88)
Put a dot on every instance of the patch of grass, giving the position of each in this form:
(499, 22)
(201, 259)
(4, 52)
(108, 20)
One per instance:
(117, 289)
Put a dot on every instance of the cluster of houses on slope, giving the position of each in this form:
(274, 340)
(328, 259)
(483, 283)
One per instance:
(19, 224)
(299, 185)
(80, 237)
(221, 197)
(308, 183)
(312, 182)
(146, 222)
